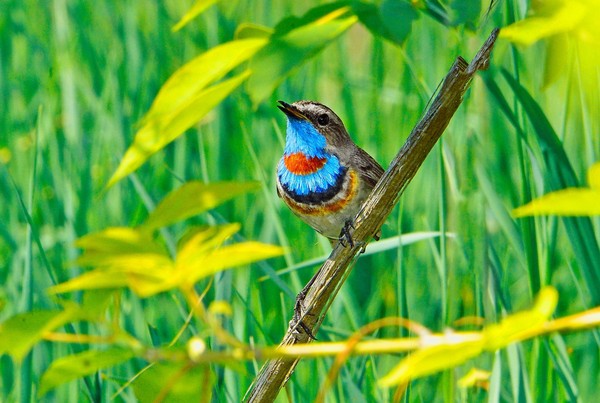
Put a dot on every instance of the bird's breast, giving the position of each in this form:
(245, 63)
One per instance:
(315, 185)
(299, 164)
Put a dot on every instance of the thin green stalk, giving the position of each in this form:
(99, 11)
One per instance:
(28, 276)
(401, 294)
(528, 223)
(442, 224)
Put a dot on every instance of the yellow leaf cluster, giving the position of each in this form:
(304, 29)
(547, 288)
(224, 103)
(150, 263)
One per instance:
(132, 257)
(451, 349)
(147, 269)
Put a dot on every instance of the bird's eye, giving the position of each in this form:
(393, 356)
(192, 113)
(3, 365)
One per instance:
(323, 119)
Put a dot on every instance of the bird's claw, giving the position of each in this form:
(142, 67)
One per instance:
(345, 235)
(296, 321)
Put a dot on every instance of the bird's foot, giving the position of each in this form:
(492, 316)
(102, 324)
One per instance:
(345, 235)
(296, 323)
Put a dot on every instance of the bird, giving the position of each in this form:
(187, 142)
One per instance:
(323, 176)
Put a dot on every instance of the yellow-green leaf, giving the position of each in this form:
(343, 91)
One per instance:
(142, 273)
(475, 377)
(452, 349)
(92, 308)
(514, 327)
(285, 52)
(194, 76)
(567, 202)
(101, 248)
(174, 382)
(204, 241)
(194, 198)
(448, 352)
(555, 17)
(247, 30)
(192, 270)
(554, 63)
(146, 286)
(19, 333)
(166, 125)
(198, 8)
(94, 280)
(66, 369)
(578, 321)
(116, 240)
(593, 176)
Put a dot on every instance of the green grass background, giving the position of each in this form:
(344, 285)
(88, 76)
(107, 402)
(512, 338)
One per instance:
(77, 76)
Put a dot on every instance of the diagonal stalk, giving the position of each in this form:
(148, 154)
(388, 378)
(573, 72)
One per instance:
(275, 373)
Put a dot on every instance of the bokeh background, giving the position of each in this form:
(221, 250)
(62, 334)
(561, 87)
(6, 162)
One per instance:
(76, 77)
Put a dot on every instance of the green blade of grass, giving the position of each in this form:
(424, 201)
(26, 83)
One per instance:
(76, 366)
(372, 248)
(28, 283)
(557, 350)
(561, 175)
(528, 231)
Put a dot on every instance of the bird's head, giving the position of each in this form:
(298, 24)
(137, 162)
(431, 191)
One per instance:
(313, 128)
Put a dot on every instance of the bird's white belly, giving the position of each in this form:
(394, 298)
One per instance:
(329, 218)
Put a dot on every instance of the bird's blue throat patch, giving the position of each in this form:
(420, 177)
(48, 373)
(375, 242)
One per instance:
(303, 141)
(303, 137)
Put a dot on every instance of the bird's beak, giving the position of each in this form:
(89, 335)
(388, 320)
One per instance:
(290, 110)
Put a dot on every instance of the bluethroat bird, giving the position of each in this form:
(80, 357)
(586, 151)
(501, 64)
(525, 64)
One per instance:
(323, 177)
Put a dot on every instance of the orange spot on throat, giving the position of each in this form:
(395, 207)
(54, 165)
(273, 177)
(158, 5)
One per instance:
(299, 164)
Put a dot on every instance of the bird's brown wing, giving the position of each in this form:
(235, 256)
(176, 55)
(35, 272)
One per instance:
(369, 169)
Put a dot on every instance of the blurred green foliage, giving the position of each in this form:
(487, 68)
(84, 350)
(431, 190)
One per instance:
(77, 79)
